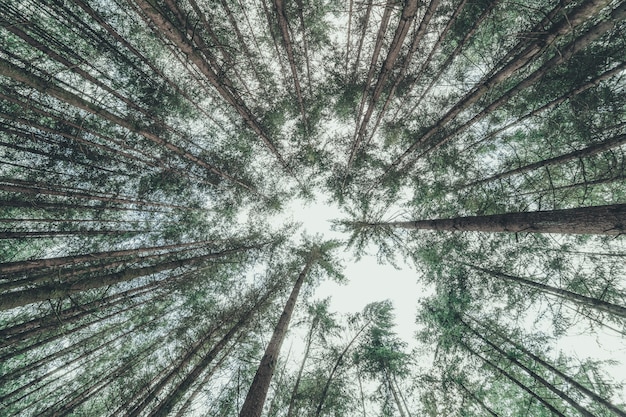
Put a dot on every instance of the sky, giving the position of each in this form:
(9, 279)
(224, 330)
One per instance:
(369, 281)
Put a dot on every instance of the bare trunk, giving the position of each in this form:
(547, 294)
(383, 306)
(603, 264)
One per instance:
(594, 149)
(600, 220)
(582, 410)
(29, 296)
(255, 399)
(556, 371)
(515, 381)
(527, 55)
(581, 300)
(343, 353)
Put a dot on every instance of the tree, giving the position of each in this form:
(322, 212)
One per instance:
(149, 150)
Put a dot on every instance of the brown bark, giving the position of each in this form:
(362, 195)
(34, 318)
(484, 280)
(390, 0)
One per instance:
(580, 300)
(446, 64)
(396, 397)
(220, 83)
(594, 82)
(514, 380)
(419, 35)
(64, 406)
(22, 266)
(61, 290)
(175, 395)
(581, 153)
(478, 400)
(12, 71)
(406, 20)
(37, 188)
(564, 54)
(553, 369)
(582, 410)
(370, 73)
(283, 25)
(36, 327)
(296, 385)
(59, 233)
(359, 48)
(333, 371)
(305, 45)
(349, 33)
(255, 399)
(601, 220)
(66, 365)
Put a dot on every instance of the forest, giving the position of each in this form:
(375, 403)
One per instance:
(151, 151)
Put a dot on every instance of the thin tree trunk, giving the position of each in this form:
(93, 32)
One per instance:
(419, 35)
(283, 25)
(23, 266)
(581, 300)
(255, 399)
(396, 397)
(12, 71)
(478, 400)
(594, 82)
(359, 48)
(564, 54)
(591, 150)
(406, 20)
(527, 55)
(582, 410)
(600, 220)
(515, 381)
(336, 367)
(553, 369)
(296, 385)
(29, 296)
(176, 394)
(221, 84)
(370, 73)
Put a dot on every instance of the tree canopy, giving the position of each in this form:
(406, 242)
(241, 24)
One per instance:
(147, 148)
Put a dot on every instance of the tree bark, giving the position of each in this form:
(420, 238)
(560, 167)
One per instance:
(526, 55)
(599, 220)
(343, 353)
(29, 296)
(581, 153)
(255, 399)
(296, 385)
(515, 381)
(581, 300)
(553, 369)
(582, 410)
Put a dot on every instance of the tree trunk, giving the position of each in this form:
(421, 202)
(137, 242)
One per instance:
(255, 399)
(29, 296)
(582, 410)
(23, 266)
(553, 369)
(585, 152)
(175, 395)
(296, 385)
(527, 55)
(396, 397)
(12, 71)
(598, 220)
(478, 400)
(581, 300)
(336, 367)
(515, 381)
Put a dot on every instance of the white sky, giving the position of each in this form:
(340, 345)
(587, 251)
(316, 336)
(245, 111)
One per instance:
(369, 282)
